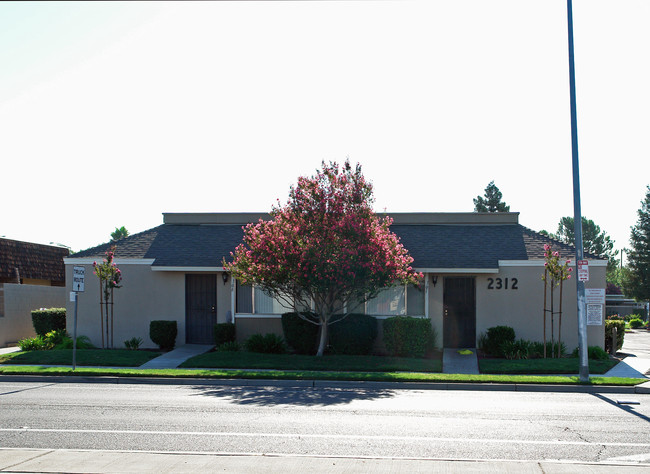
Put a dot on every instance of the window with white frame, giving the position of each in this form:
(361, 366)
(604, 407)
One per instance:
(405, 300)
(253, 300)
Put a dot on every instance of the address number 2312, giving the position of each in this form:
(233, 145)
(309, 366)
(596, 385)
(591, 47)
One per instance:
(503, 284)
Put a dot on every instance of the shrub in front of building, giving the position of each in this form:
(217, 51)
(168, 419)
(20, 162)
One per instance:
(301, 335)
(266, 344)
(46, 320)
(497, 339)
(620, 334)
(406, 336)
(354, 335)
(636, 323)
(593, 352)
(223, 333)
(163, 333)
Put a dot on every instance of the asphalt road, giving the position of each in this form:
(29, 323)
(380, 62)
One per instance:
(350, 422)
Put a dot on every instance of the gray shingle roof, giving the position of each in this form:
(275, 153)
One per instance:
(431, 246)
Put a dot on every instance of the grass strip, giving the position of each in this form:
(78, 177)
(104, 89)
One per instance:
(318, 375)
(543, 366)
(251, 360)
(107, 357)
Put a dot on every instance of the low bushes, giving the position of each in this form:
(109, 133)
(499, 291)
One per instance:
(499, 341)
(405, 336)
(163, 333)
(58, 339)
(133, 344)
(636, 323)
(267, 344)
(353, 335)
(45, 320)
(593, 353)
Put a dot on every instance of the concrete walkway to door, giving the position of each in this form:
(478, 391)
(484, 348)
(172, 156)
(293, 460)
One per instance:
(176, 357)
(453, 362)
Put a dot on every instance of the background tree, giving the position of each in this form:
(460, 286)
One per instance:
(326, 247)
(637, 279)
(119, 233)
(593, 241)
(492, 200)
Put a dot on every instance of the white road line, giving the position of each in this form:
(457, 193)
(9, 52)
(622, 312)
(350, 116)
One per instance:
(326, 436)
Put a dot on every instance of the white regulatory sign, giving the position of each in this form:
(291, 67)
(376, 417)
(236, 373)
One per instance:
(583, 270)
(595, 295)
(78, 275)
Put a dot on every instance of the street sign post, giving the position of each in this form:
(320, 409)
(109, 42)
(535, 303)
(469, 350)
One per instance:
(78, 286)
(583, 270)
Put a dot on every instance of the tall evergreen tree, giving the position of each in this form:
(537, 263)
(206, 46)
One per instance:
(491, 202)
(637, 283)
(119, 233)
(594, 240)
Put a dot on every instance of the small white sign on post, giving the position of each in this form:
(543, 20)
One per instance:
(583, 270)
(594, 315)
(78, 275)
(595, 295)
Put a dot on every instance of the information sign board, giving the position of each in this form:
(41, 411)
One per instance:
(78, 276)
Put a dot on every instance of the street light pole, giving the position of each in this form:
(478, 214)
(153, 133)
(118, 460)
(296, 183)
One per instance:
(577, 213)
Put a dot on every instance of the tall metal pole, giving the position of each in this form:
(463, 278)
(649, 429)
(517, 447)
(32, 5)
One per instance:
(577, 213)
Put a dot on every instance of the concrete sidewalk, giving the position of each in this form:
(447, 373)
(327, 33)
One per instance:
(176, 357)
(96, 461)
(455, 362)
(636, 347)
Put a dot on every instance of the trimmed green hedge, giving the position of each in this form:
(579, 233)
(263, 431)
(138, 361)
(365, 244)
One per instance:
(406, 336)
(498, 339)
(620, 335)
(45, 320)
(163, 333)
(300, 335)
(224, 332)
(354, 335)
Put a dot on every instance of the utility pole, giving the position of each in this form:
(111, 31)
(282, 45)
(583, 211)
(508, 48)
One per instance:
(577, 213)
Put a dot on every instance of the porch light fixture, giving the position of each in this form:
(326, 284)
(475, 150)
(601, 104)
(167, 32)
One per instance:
(224, 275)
(434, 279)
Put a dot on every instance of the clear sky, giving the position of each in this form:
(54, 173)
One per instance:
(112, 113)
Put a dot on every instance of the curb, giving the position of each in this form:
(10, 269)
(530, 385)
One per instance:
(324, 384)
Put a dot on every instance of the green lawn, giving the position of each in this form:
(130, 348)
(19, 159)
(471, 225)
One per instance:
(542, 366)
(315, 375)
(97, 357)
(251, 360)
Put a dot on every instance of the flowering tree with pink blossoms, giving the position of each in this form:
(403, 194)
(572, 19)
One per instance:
(324, 249)
(109, 278)
(555, 273)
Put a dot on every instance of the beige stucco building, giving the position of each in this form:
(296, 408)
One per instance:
(31, 277)
(481, 270)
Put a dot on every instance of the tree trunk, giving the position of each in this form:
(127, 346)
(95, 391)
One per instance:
(559, 328)
(545, 276)
(112, 340)
(552, 319)
(323, 338)
(101, 310)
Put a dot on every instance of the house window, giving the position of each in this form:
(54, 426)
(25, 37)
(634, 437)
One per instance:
(253, 300)
(407, 300)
